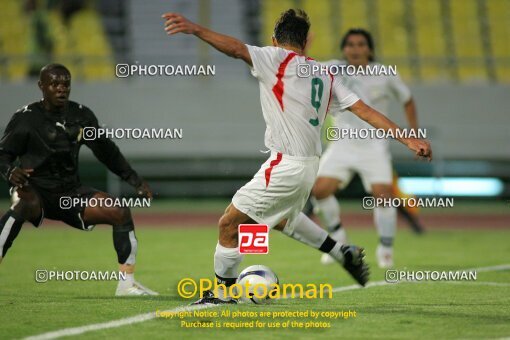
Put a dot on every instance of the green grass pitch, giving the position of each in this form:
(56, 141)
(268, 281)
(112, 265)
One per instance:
(425, 310)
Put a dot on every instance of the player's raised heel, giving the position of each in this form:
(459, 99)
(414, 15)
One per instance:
(354, 263)
(209, 299)
(136, 289)
(327, 259)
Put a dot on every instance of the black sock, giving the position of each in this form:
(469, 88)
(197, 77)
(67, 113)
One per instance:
(222, 294)
(327, 245)
(125, 243)
(10, 226)
(225, 281)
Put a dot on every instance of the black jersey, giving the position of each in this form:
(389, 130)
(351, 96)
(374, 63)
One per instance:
(50, 142)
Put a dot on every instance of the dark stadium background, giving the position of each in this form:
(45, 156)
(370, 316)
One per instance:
(454, 55)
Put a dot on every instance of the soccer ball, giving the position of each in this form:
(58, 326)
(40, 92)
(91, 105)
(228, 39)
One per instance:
(261, 280)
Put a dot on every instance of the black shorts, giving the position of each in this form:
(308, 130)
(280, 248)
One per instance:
(51, 206)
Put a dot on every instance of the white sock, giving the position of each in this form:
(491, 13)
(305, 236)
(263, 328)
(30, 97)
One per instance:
(329, 211)
(385, 220)
(128, 282)
(336, 253)
(339, 235)
(308, 232)
(226, 261)
(226, 264)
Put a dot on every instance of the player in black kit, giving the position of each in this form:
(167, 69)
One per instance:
(39, 158)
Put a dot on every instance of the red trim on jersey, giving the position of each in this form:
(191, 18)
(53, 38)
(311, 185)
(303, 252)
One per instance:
(278, 87)
(273, 163)
(330, 93)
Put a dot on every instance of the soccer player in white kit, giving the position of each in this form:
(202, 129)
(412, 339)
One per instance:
(294, 109)
(370, 158)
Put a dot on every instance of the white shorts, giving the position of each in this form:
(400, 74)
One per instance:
(279, 190)
(342, 161)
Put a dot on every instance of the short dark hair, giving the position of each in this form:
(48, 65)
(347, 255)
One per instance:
(292, 28)
(52, 67)
(364, 33)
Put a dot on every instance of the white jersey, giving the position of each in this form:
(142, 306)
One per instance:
(375, 91)
(294, 107)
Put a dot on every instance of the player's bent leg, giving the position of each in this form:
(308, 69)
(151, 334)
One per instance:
(124, 241)
(410, 215)
(328, 208)
(10, 226)
(303, 229)
(226, 256)
(228, 226)
(325, 187)
(325, 202)
(411, 218)
(385, 220)
(26, 208)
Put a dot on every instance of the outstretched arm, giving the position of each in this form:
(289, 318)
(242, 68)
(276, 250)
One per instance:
(109, 154)
(176, 23)
(373, 117)
(411, 114)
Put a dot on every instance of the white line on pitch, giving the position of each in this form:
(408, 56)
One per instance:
(479, 283)
(152, 315)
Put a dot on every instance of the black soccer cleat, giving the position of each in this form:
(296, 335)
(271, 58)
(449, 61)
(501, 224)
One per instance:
(209, 299)
(355, 264)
